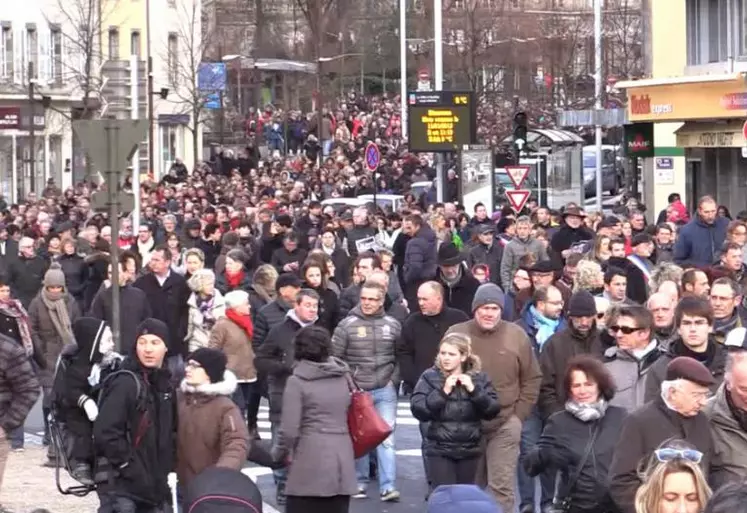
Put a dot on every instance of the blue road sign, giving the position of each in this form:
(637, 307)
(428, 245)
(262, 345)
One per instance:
(373, 156)
(211, 76)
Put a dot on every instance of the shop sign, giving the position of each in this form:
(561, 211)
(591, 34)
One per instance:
(10, 118)
(639, 140)
(720, 139)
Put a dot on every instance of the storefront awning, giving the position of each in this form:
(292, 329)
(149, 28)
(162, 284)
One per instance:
(711, 135)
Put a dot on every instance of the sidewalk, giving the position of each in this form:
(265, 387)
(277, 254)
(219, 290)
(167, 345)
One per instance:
(27, 485)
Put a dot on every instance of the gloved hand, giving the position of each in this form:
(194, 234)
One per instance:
(92, 411)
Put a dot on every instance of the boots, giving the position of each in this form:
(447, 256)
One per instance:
(82, 473)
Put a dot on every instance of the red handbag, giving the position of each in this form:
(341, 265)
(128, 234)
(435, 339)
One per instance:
(367, 429)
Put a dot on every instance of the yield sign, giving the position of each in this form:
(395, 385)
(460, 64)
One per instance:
(517, 199)
(517, 174)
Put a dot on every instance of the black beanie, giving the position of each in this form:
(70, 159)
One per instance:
(212, 360)
(582, 304)
(155, 327)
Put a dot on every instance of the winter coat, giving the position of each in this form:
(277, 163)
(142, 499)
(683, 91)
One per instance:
(490, 256)
(169, 305)
(421, 262)
(528, 322)
(715, 361)
(351, 296)
(328, 306)
(460, 294)
(221, 283)
(134, 308)
(25, 277)
(19, 387)
(256, 300)
(211, 430)
(198, 335)
(367, 344)
(314, 431)
(45, 336)
(272, 314)
(76, 274)
(97, 267)
(235, 343)
(421, 337)
(565, 439)
(454, 420)
(9, 328)
(137, 471)
(341, 260)
(729, 442)
(553, 359)
(509, 361)
(629, 375)
(281, 257)
(513, 252)
(643, 432)
(356, 234)
(699, 244)
(274, 359)
(566, 237)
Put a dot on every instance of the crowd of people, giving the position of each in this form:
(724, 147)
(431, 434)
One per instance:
(604, 356)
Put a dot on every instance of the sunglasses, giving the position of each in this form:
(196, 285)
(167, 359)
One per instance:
(667, 454)
(627, 330)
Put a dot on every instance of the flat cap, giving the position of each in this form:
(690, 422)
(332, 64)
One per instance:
(689, 369)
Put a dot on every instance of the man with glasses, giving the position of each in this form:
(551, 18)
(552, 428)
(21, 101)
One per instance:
(674, 414)
(633, 355)
(366, 340)
(725, 300)
(365, 265)
(694, 321)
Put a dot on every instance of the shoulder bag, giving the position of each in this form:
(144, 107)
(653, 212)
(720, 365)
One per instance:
(562, 504)
(367, 428)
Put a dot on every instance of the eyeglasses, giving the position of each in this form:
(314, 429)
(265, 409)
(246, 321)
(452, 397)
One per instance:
(667, 454)
(194, 364)
(627, 330)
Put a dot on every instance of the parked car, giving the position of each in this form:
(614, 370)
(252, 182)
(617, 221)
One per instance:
(611, 175)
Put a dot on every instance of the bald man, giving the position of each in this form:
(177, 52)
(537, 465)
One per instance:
(662, 306)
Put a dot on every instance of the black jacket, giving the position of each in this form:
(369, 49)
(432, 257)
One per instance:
(256, 301)
(455, 420)
(25, 277)
(97, 267)
(269, 243)
(643, 432)
(460, 294)
(139, 470)
(272, 314)
(637, 285)
(562, 446)
(421, 336)
(134, 308)
(281, 257)
(169, 304)
(76, 274)
(211, 250)
(328, 306)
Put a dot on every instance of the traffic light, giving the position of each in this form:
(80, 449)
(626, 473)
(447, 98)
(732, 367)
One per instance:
(520, 129)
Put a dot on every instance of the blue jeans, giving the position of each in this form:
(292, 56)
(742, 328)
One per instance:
(530, 434)
(385, 402)
(327, 146)
(279, 474)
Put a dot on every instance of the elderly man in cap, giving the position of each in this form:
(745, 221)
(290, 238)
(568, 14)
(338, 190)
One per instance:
(509, 360)
(458, 283)
(676, 413)
(487, 251)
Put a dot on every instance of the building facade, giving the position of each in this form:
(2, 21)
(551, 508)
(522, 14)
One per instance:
(697, 101)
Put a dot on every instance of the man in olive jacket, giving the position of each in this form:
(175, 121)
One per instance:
(509, 360)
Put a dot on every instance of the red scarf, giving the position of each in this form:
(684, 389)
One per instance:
(234, 279)
(243, 321)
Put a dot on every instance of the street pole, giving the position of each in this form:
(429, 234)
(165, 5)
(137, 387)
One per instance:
(135, 114)
(403, 65)
(598, 94)
(151, 107)
(238, 86)
(363, 74)
(438, 72)
(112, 137)
(318, 52)
(32, 135)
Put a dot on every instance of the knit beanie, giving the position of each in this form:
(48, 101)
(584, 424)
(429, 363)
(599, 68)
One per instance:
(582, 304)
(155, 327)
(54, 277)
(488, 294)
(212, 360)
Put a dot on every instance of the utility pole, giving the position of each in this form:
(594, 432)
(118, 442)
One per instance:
(438, 69)
(319, 96)
(403, 65)
(598, 95)
(32, 134)
(151, 107)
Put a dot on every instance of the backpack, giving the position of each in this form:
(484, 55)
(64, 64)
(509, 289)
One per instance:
(222, 490)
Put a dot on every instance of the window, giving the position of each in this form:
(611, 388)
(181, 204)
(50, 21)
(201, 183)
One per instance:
(715, 31)
(32, 52)
(56, 61)
(173, 58)
(113, 44)
(135, 43)
(170, 149)
(6, 52)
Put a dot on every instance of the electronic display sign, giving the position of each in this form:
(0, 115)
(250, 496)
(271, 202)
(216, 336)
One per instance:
(440, 121)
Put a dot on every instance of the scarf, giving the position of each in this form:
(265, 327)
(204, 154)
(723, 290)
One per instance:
(14, 309)
(242, 321)
(234, 279)
(587, 412)
(545, 327)
(58, 313)
(724, 326)
(205, 306)
(453, 281)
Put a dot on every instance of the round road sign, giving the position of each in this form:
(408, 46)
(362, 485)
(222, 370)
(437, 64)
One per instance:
(373, 156)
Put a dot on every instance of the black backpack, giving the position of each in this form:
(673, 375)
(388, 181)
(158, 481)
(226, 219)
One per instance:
(222, 490)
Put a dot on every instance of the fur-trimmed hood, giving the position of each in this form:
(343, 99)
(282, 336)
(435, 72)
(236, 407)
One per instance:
(226, 387)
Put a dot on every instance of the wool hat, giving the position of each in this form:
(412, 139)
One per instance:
(488, 294)
(582, 304)
(461, 499)
(54, 277)
(449, 254)
(156, 327)
(287, 280)
(689, 369)
(212, 360)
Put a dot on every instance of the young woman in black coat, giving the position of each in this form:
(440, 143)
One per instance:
(453, 397)
(588, 423)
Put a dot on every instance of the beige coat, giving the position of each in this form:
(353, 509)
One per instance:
(230, 338)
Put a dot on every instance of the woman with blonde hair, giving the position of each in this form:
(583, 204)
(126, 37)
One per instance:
(589, 276)
(206, 306)
(673, 481)
(453, 397)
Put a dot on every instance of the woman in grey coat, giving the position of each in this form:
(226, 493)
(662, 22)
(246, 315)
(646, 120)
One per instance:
(314, 437)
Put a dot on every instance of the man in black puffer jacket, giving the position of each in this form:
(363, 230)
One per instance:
(273, 313)
(421, 263)
(135, 430)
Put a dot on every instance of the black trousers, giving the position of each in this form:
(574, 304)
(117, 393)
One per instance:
(448, 471)
(80, 430)
(247, 397)
(299, 504)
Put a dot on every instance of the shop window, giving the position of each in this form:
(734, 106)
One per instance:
(715, 30)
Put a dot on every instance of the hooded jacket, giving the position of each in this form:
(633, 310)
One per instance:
(211, 430)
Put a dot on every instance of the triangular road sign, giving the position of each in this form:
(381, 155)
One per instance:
(517, 174)
(125, 136)
(517, 199)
